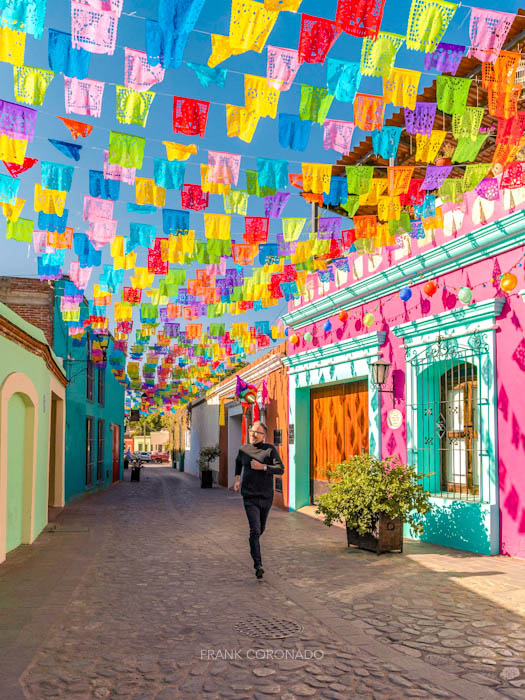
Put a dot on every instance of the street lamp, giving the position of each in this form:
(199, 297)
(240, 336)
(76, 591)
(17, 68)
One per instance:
(380, 370)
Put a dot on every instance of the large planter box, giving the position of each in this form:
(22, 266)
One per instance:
(387, 536)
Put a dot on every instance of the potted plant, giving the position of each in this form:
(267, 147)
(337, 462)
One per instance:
(373, 497)
(207, 455)
(446, 153)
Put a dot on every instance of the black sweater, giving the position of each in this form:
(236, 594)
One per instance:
(257, 482)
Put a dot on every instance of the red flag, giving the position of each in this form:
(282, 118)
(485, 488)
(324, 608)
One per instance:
(15, 169)
(190, 116)
(359, 17)
(318, 35)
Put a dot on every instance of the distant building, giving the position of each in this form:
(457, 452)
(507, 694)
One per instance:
(32, 426)
(94, 398)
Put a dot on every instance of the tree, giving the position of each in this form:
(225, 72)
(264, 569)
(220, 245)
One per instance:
(147, 424)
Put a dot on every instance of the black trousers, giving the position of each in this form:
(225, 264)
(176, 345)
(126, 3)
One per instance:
(257, 510)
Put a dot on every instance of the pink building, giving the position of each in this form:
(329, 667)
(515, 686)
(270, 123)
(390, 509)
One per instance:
(457, 371)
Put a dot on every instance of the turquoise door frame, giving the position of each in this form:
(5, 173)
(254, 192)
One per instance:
(346, 361)
(471, 525)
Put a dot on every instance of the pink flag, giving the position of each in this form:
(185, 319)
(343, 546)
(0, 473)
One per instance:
(68, 305)
(117, 172)
(338, 135)
(488, 30)
(106, 5)
(79, 275)
(138, 74)
(83, 96)
(101, 232)
(96, 209)
(40, 243)
(281, 67)
(223, 168)
(93, 30)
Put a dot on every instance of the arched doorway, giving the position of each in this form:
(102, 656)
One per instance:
(18, 407)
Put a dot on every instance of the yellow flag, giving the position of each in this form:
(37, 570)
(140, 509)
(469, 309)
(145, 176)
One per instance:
(217, 226)
(240, 122)
(221, 49)
(12, 211)
(178, 151)
(147, 192)
(12, 150)
(12, 46)
(49, 201)
(259, 97)
(250, 25)
(316, 177)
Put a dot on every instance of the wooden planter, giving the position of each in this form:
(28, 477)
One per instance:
(387, 536)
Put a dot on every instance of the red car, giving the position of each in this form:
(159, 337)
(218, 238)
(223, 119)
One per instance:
(159, 457)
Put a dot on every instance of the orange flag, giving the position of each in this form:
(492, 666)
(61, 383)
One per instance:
(77, 128)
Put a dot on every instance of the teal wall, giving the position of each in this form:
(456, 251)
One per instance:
(460, 524)
(15, 358)
(78, 408)
(329, 365)
(16, 427)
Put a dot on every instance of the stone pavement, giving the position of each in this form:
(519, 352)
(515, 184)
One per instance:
(146, 591)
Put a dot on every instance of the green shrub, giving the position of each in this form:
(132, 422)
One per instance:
(364, 487)
(207, 455)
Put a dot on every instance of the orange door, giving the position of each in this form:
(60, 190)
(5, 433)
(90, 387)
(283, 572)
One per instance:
(115, 431)
(338, 429)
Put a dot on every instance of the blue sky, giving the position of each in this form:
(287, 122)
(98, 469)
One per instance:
(18, 259)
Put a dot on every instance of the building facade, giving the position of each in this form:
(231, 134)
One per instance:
(94, 399)
(456, 372)
(32, 426)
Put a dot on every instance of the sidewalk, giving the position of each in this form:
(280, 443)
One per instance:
(144, 590)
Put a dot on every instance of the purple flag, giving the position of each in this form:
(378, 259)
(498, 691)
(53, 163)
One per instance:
(274, 204)
(445, 59)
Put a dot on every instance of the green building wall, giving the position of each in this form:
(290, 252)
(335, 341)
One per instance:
(17, 359)
(78, 408)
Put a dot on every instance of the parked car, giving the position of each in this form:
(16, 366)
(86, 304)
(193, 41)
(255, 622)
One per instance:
(159, 457)
(143, 456)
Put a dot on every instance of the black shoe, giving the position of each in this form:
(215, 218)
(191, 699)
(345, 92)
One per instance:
(259, 571)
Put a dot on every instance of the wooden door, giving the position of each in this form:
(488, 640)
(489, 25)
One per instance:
(338, 429)
(115, 433)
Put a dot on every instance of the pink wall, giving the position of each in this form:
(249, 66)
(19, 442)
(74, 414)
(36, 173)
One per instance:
(390, 311)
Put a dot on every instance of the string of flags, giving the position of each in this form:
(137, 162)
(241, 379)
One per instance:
(192, 274)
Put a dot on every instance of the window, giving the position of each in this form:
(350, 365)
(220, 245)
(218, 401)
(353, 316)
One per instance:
(458, 426)
(445, 405)
(90, 438)
(89, 372)
(100, 451)
(101, 385)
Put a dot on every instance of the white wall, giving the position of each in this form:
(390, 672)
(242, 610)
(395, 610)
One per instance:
(159, 440)
(234, 439)
(204, 433)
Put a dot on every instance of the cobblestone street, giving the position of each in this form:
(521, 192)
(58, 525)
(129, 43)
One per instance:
(143, 589)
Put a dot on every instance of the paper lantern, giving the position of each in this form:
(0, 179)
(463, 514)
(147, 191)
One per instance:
(308, 337)
(430, 288)
(508, 281)
(465, 295)
(368, 320)
(294, 339)
(405, 293)
(343, 316)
